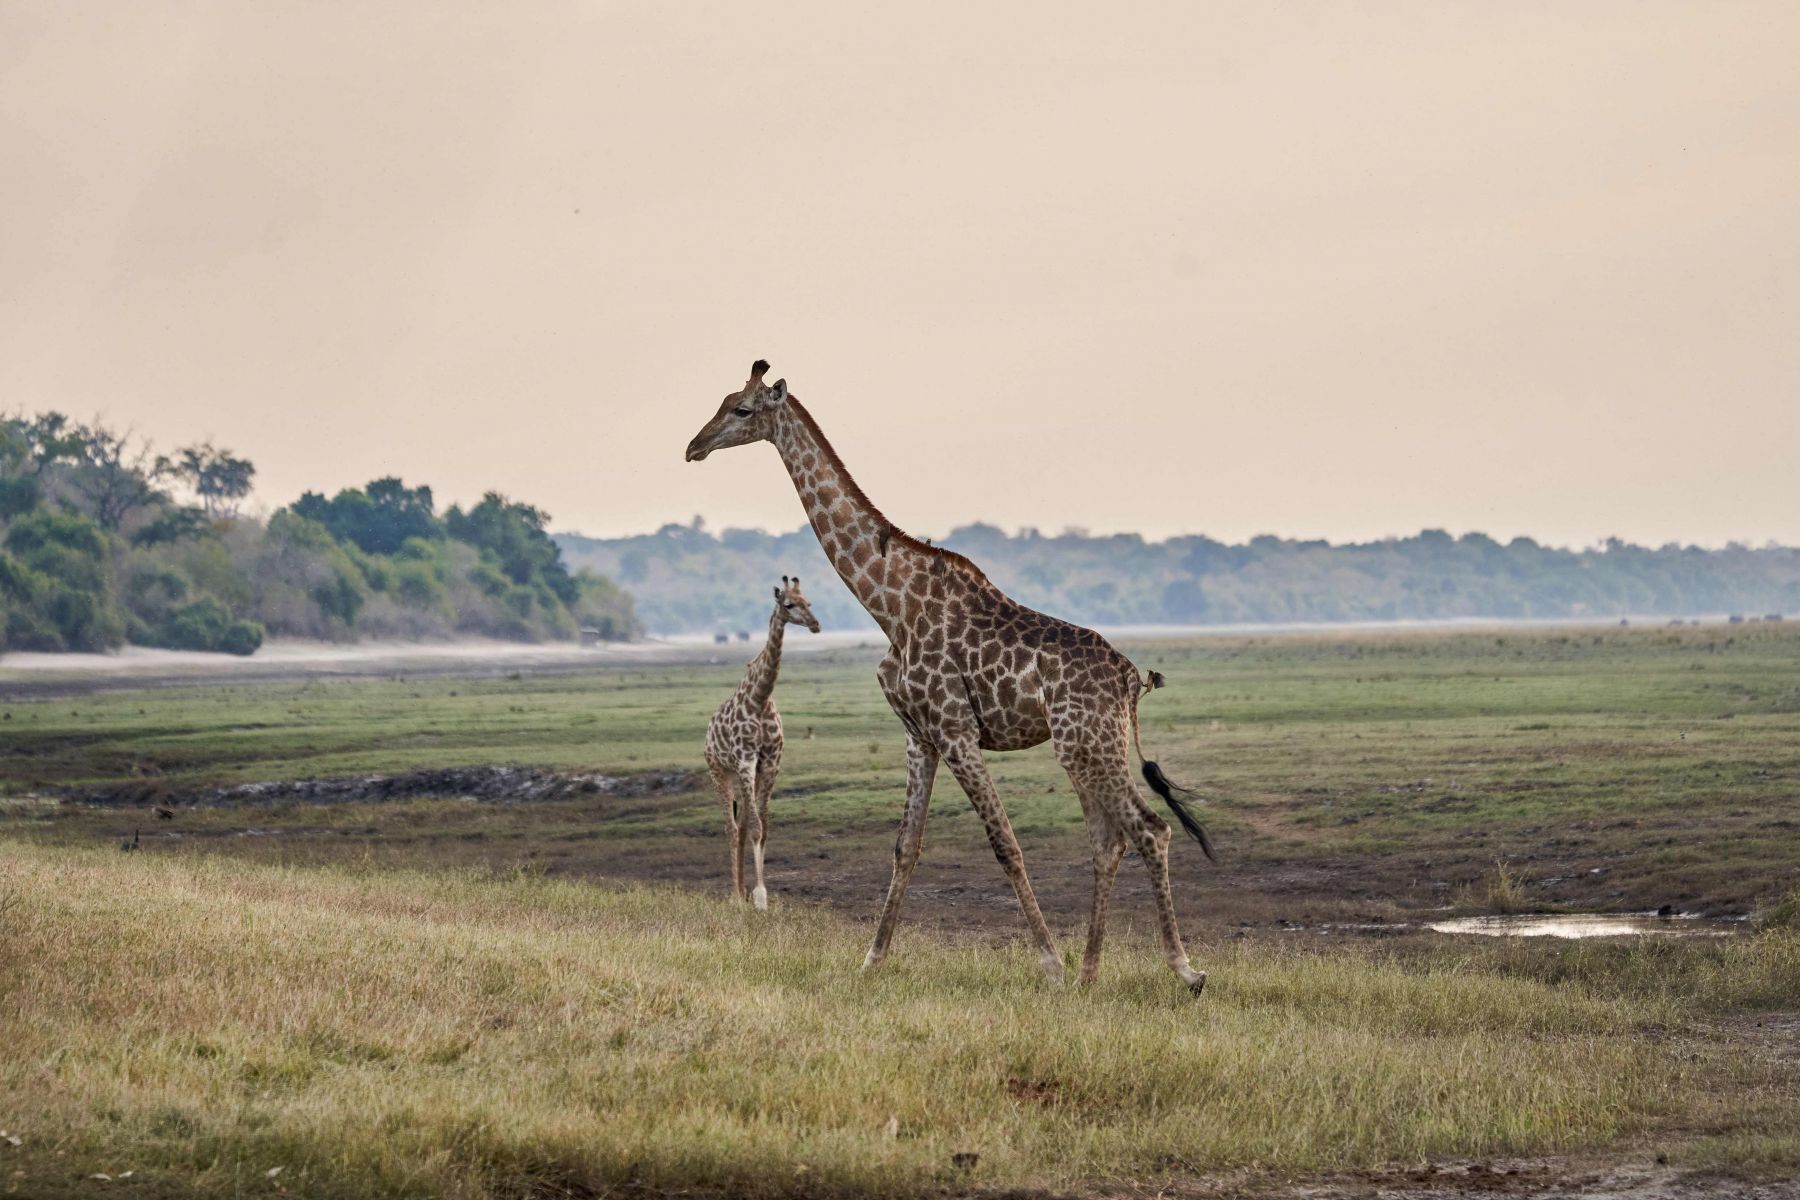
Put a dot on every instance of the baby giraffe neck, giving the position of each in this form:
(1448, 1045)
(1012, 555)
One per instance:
(767, 665)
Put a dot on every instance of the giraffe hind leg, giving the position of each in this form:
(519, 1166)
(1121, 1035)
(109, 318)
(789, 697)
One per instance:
(1109, 851)
(1102, 771)
(964, 761)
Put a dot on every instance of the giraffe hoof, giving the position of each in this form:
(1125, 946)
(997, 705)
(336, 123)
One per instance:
(1197, 984)
(761, 898)
(871, 960)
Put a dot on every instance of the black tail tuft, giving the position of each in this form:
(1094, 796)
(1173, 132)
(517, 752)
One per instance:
(1159, 783)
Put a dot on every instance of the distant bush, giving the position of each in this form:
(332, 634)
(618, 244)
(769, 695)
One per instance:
(206, 624)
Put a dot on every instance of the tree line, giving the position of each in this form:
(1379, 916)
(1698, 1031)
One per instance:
(686, 578)
(103, 541)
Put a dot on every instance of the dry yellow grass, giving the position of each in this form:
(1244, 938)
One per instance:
(200, 1022)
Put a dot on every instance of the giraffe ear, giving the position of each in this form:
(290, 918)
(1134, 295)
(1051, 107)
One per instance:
(778, 393)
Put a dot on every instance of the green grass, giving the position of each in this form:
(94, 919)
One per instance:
(199, 1022)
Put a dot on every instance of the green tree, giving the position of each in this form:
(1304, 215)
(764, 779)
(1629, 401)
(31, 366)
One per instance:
(514, 535)
(218, 478)
(378, 519)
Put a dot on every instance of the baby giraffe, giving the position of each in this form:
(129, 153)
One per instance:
(743, 743)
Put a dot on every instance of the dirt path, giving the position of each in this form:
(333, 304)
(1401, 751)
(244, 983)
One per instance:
(40, 676)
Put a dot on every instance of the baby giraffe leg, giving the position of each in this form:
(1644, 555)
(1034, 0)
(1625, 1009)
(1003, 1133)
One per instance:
(751, 833)
(766, 773)
(725, 783)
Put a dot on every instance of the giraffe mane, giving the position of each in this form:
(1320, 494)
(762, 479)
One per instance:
(894, 532)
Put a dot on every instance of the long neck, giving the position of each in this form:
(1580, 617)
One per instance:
(767, 665)
(871, 556)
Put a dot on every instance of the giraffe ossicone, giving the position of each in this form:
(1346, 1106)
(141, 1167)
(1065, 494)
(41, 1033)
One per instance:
(970, 669)
(743, 745)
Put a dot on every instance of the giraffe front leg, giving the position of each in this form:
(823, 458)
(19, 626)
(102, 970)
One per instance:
(750, 836)
(921, 770)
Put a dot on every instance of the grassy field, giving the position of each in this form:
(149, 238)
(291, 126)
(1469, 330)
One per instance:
(446, 995)
(201, 1022)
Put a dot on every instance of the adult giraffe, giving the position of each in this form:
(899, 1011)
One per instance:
(969, 669)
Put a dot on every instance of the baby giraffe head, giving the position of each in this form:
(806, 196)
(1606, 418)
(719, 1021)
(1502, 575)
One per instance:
(745, 416)
(792, 605)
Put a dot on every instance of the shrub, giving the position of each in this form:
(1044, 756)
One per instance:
(242, 638)
(205, 624)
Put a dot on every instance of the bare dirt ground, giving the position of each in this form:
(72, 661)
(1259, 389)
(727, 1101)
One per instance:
(956, 886)
(657, 827)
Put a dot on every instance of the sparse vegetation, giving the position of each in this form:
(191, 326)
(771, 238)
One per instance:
(1501, 890)
(1784, 913)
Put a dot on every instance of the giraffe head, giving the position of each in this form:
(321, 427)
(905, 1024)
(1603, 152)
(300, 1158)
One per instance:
(745, 416)
(793, 606)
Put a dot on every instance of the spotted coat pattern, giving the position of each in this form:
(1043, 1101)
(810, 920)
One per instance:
(743, 745)
(970, 669)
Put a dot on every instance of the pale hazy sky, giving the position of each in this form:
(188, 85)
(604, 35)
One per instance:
(1322, 270)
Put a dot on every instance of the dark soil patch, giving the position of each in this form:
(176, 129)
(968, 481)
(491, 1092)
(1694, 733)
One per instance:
(502, 784)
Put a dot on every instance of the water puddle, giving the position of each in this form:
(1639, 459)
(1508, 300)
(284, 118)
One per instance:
(1586, 925)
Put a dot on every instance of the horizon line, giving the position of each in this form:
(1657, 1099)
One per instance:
(1598, 546)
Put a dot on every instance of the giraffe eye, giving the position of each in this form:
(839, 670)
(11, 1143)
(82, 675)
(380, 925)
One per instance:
(742, 412)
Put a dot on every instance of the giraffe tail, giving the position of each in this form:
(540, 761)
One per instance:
(1173, 794)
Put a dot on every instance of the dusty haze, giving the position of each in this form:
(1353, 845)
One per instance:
(1326, 271)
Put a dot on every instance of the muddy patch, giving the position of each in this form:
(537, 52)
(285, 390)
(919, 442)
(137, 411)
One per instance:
(1589, 925)
(500, 784)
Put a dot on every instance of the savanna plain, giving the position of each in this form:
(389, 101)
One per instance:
(465, 932)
